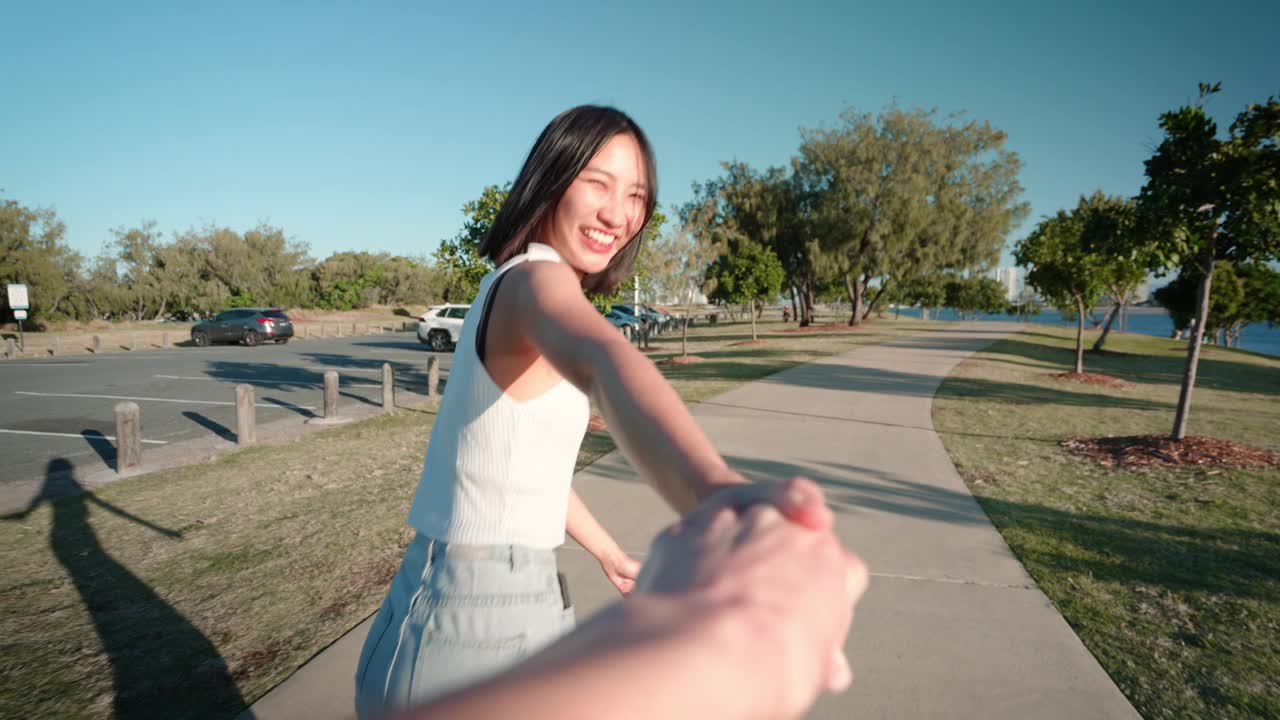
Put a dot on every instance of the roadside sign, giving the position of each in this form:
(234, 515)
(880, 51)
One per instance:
(19, 314)
(18, 296)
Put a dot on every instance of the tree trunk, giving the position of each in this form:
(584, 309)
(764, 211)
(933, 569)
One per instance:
(794, 308)
(1106, 329)
(1197, 336)
(924, 313)
(854, 288)
(806, 303)
(684, 335)
(884, 285)
(1079, 334)
(752, 313)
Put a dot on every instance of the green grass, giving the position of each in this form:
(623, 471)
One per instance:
(191, 592)
(1171, 577)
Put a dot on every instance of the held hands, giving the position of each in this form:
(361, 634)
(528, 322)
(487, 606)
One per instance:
(790, 587)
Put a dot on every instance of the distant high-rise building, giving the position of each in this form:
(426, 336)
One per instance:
(1011, 280)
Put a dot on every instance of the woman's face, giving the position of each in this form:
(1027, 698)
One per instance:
(603, 207)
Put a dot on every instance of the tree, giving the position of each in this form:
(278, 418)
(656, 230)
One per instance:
(1209, 198)
(748, 272)
(1061, 268)
(32, 251)
(974, 294)
(903, 194)
(1109, 232)
(458, 258)
(1226, 299)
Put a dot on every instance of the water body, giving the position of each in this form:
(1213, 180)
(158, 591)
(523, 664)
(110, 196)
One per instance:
(1257, 337)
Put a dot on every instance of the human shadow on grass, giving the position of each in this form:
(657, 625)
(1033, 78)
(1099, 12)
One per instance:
(161, 664)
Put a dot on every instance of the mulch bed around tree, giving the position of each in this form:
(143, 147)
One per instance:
(1163, 451)
(681, 360)
(748, 342)
(1093, 379)
(827, 327)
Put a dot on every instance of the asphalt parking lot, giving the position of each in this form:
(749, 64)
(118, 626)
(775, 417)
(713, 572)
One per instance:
(63, 408)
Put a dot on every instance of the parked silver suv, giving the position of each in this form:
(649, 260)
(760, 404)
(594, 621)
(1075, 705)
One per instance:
(440, 326)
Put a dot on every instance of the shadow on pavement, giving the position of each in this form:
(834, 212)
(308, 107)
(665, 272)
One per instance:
(212, 426)
(182, 676)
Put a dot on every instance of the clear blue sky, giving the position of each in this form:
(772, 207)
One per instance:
(366, 126)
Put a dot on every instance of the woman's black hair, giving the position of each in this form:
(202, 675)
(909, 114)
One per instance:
(563, 149)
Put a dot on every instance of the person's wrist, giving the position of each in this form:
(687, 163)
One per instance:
(710, 637)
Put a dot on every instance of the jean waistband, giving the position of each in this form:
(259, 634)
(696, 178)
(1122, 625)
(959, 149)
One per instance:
(515, 555)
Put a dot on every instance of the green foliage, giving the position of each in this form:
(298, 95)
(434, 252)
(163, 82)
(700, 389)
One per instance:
(1214, 197)
(974, 294)
(748, 272)
(458, 258)
(907, 193)
(1239, 294)
(1058, 264)
(32, 251)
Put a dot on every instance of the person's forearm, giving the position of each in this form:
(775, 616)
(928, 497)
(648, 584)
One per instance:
(645, 658)
(583, 527)
(654, 428)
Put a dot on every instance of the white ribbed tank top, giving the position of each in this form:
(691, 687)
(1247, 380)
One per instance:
(498, 470)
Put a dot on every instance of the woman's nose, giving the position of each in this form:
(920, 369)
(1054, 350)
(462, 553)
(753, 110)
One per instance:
(613, 212)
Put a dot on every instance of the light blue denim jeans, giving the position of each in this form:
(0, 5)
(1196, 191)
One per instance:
(455, 615)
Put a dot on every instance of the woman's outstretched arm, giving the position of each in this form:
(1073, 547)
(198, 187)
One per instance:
(542, 304)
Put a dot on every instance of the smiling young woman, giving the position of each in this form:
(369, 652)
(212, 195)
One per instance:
(478, 588)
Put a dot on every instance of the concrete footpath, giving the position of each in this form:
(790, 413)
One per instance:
(952, 625)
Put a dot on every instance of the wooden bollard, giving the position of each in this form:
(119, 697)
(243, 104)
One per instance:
(97, 343)
(330, 394)
(246, 422)
(355, 329)
(388, 388)
(337, 329)
(10, 349)
(128, 436)
(164, 340)
(321, 329)
(57, 345)
(433, 376)
(133, 342)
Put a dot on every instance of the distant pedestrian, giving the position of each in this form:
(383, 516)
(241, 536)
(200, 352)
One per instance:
(478, 588)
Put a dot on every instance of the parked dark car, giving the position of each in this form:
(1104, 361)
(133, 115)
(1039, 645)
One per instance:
(250, 326)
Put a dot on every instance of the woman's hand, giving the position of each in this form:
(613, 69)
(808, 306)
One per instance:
(621, 569)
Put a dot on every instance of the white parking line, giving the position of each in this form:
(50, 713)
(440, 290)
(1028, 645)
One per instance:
(168, 400)
(77, 435)
(256, 380)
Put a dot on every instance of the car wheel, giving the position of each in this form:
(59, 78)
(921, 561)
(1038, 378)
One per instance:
(252, 338)
(281, 341)
(200, 338)
(439, 340)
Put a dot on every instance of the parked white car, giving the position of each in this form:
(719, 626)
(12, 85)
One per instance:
(440, 326)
